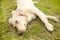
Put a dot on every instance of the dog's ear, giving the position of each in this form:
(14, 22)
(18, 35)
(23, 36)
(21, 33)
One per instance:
(10, 21)
(12, 11)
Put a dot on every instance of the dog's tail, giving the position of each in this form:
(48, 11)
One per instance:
(36, 2)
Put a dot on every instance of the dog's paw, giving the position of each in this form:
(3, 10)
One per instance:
(49, 27)
(55, 19)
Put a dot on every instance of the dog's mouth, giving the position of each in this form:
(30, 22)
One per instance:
(21, 28)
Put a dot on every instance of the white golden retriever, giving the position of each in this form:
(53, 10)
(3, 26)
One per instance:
(25, 12)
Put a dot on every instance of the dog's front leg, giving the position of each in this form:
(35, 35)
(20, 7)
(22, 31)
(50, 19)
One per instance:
(53, 18)
(43, 18)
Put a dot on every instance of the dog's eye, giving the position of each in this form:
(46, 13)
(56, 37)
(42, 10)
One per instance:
(16, 22)
(21, 15)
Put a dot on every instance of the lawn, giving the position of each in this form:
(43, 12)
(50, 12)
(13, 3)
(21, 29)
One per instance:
(36, 29)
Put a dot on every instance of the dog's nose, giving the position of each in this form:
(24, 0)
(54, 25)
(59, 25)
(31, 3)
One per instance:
(20, 33)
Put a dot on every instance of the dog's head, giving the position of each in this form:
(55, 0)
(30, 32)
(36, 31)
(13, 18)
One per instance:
(19, 21)
(21, 24)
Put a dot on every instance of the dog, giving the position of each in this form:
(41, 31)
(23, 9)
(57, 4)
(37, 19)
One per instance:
(25, 12)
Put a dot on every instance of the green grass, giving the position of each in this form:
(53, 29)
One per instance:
(36, 29)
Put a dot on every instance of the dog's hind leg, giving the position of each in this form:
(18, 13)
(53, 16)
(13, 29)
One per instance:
(53, 18)
(43, 18)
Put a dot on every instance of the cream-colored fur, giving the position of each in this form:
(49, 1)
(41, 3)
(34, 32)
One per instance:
(25, 12)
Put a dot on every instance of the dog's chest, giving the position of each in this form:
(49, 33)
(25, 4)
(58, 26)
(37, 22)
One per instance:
(30, 17)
